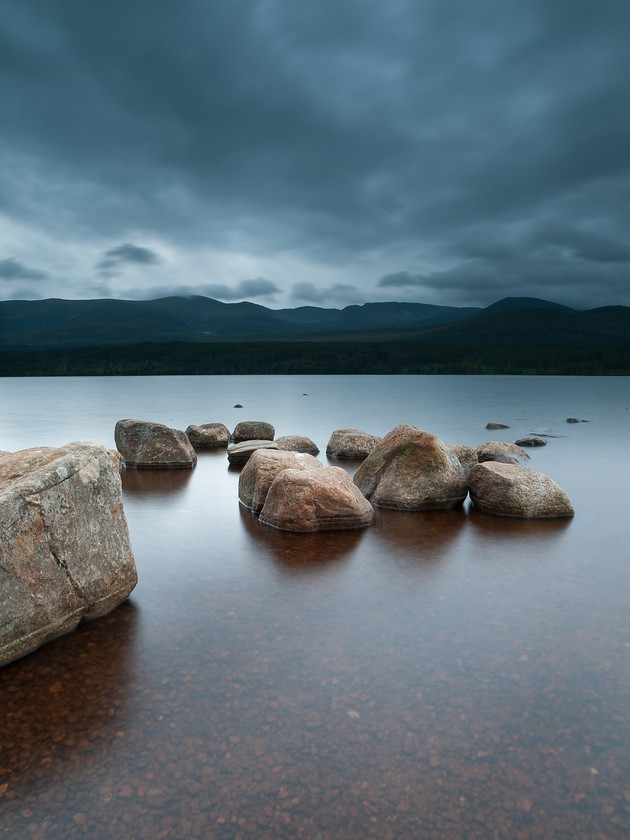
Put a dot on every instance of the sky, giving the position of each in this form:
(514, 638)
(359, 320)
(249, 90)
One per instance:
(327, 152)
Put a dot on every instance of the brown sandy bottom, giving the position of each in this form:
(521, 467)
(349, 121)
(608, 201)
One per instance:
(406, 682)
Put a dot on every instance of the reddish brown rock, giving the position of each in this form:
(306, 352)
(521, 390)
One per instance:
(351, 443)
(297, 443)
(466, 455)
(261, 469)
(252, 430)
(504, 453)
(315, 500)
(412, 470)
(65, 553)
(208, 435)
(240, 453)
(511, 490)
(146, 445)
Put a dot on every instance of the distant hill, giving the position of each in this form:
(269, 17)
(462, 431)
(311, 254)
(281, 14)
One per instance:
(56, 323)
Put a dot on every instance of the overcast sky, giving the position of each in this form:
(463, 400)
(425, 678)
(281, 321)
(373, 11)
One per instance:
(322, 152)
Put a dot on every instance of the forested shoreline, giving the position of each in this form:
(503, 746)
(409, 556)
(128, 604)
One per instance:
(335, 357)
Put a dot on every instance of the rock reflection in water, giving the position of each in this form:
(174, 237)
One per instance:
(295, 553)
(156, 483)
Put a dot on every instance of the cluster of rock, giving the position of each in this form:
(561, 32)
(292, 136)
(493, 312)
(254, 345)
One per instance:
(65, 554)
(409, 469)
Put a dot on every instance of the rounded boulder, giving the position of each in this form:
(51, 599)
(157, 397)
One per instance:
(351, 444)
(513, 490)
(412, 470)
(261, 469)
(146, 445)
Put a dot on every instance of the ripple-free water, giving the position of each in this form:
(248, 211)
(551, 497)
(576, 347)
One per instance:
(438, 675)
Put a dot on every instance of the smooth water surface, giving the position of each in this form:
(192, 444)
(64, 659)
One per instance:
(438, 675)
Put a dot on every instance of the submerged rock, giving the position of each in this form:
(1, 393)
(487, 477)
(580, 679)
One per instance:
(297, 443)
(496, 426)
(252, 430)
(315, 500)
(351, 443)
(575, 420)
(412, 470)
(146, 445)
(208, 435)
(240, 453)
(511, 490)
(263, 466)
(65, 553)
(530, 441)
(505, 453)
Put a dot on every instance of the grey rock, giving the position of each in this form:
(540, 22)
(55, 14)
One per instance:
(208, 435)
(263, 466)
(530, 441)
(351, 443)
(65, 553)
(412, 470)
(575, 420)
(315, 500)
(252, 430)
(466, 455)
(147, 445)
(240, 453)
(505, 453)
(512, 490)
(297, 443)
(496, 426)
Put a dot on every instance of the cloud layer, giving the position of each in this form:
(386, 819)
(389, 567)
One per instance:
(470, 150)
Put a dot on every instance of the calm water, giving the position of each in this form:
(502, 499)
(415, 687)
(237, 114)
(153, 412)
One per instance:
(439, 675)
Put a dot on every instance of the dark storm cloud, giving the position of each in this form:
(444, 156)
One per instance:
(245, 290)
(114, 259)
(339, 131)
(339, 292)
(11, 269)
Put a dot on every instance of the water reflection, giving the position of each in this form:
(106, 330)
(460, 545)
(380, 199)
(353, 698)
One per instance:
(155, 483)
(506, 528)
(418, 537)
(295, 553)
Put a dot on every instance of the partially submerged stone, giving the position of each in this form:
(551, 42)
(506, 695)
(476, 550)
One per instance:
(530, 441)
(208, 435)
(297, 443)
(315, 500)
(351, 443)
(240, 453)
(65, 553)
(412, 470)
(261, 469)
(252, 430)
(496, 426)
(512, 490)
(505, 453)
(147, 445)
(466, 455)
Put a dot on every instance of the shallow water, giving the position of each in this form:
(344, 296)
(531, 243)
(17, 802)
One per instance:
(438, 675)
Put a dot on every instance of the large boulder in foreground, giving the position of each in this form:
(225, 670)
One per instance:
(512, 490)
(208, 435)
(65, 553)
(412, 470)
(263, 466)
(504, 453)
(297, 443)
(252, 430)
(147, 446)
(240, 453)
(351, 443)
(315, 500)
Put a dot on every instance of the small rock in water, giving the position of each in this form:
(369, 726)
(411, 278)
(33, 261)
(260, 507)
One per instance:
(530, 441)
(496, 426)
(574, 420)
(238, 405)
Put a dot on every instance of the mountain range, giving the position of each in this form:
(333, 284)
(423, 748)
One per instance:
(57, 323)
